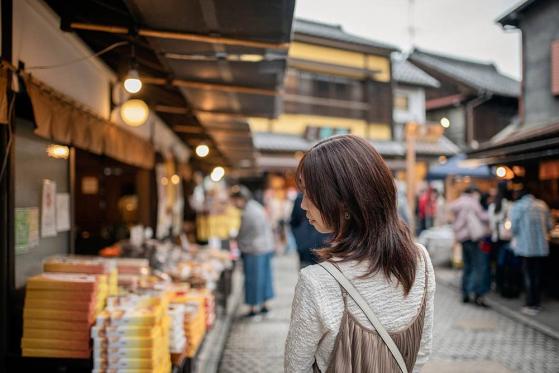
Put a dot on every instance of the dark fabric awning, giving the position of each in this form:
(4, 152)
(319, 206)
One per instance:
(59, 118)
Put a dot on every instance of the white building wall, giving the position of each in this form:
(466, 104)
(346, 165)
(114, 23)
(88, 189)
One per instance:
(38, 41)
(416, 105)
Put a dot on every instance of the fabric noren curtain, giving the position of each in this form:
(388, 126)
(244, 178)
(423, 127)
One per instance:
(62, 120)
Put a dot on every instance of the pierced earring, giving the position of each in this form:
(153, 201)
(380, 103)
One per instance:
(346, 216)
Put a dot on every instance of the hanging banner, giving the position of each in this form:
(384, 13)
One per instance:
(48, 210)
(62, 212)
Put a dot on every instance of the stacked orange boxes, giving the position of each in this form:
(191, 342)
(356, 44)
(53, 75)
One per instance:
(132, 335)
(58, 313)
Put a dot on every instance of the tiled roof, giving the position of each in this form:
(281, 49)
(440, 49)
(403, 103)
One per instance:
(274, 142)
(478, 75)
(512, 16)
(405, 72)
(335, 32)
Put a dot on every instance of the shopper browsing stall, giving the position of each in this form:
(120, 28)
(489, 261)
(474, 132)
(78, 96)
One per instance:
(255, 240)
(531, 222)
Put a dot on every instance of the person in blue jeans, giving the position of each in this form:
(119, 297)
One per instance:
(470, 226)
(255, 241)
(531, 222)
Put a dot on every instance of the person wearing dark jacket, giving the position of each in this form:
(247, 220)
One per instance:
(306, 237)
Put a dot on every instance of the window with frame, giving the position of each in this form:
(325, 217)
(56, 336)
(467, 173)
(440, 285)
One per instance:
(402, 102)
(316, 133)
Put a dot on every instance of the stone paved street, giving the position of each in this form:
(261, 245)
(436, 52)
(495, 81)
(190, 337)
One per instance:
(466, 339)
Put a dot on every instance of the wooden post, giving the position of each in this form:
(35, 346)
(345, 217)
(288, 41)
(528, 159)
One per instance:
(411, 133)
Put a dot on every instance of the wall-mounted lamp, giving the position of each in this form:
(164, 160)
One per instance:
(58, 151)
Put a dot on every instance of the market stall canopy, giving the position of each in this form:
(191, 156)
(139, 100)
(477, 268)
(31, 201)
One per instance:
(518, 142)
(206, 63)
(459, 166)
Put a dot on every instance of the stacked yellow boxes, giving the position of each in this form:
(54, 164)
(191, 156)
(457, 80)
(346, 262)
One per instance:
(58, 313)
(206, 297)
(194, 326)
(177, 338)
(195, 319)
(105, 269)
(132, 335)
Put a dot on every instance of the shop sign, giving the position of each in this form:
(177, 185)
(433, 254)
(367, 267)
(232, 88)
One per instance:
(90, 185)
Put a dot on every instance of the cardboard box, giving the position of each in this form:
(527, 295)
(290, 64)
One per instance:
(71, 354)
(54, 344)
(63, 281)
(80, 335)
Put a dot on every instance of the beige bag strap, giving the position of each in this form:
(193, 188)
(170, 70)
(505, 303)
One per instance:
(354, 294)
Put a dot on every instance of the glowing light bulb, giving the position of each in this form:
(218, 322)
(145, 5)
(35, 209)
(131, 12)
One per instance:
(445, 122)
(202, 150)
(132, 83)
(134, 112)
(501, 171)
(217, 174)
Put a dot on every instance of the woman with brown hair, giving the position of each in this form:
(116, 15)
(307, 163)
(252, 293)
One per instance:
(368, 306)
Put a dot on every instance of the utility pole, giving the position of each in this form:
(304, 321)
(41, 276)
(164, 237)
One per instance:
(411, 135)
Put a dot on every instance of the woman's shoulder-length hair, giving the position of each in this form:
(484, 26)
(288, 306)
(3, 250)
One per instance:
(352, 187)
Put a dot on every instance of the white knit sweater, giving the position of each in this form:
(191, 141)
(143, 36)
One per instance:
(318, 308)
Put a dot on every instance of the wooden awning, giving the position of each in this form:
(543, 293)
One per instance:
(65, 121)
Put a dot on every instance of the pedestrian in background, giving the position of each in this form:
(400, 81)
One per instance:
(349, 193)
(256, 243)
(531, 223)
(426, 206)
(441, 212)
(469, 228)
(306, 236)
(508, 276)
(402, 202)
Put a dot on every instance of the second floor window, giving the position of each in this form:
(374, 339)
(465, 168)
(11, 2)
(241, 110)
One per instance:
(401, 102)
(324, 86)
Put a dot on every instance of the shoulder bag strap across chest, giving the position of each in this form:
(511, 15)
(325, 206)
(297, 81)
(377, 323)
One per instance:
(360, 301)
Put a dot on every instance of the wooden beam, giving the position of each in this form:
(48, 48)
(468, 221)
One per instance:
(171, 109)
(210, 86)
(228, 115)
(188, 129)
(175, 35)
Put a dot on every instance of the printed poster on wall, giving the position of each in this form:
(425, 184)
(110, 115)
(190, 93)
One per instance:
(62, 212)
(26, 229)
(48, 210)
